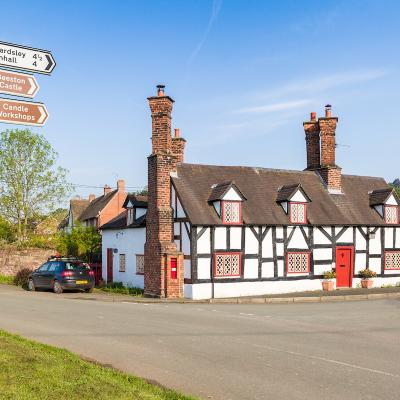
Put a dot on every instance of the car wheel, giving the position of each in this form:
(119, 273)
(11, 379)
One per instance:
(57, 287)
(90, 290)
(31, 285)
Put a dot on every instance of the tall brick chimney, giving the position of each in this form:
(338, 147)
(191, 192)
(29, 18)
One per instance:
(178, 146)
(121, 193)
(311, 129)
(163, 271)
(329, 172)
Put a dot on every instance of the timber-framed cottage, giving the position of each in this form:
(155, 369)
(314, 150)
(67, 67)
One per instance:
(223, 231)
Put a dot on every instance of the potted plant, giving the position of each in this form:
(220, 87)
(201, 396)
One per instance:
(328, 283)
(366, 278)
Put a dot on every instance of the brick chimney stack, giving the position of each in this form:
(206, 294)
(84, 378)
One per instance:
(311, 129)
(330, 172)
(178, 146)
(121, 193)
(160, 249)
(107, 189)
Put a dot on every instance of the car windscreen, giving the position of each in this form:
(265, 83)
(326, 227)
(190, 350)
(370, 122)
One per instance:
(76, 266)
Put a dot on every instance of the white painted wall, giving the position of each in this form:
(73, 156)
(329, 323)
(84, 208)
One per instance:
(388, 237)
(129, 242)
(220, 238)
(375, 244)
(322, 254)
(267, 270)
(391, 201)
(297, 241)
(203, 268)
(179, 210)
(320, 238)
(299, 197)
(186, 239)
(361, 243)
(251, 242)
(267, 251)
(188, 271)
(203, 243)
(236, 238)
(250, 268)
(232, 195)
(347, 235)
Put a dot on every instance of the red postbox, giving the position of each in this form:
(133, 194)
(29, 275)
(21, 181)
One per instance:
(174, 268)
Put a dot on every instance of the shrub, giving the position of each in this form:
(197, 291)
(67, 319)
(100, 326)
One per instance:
(21, 278)
(367, 273)
(330, 274)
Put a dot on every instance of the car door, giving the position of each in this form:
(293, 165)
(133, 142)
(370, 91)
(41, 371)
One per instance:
(38, 275)
(49, 274)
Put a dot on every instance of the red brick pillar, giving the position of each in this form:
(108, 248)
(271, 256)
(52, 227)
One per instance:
(159, 219)
(330, 172)
(311, 129)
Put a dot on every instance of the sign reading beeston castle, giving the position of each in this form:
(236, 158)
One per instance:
(26, 58)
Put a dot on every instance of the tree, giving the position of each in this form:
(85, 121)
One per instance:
(30, 182)
(82, 242)
(7, 234)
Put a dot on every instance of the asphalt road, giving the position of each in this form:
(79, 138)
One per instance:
(342, 350)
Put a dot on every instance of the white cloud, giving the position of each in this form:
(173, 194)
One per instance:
(283, 106)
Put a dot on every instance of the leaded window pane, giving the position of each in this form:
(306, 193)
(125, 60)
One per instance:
(297, 263)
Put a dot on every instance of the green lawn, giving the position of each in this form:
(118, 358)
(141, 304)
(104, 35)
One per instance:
(30, 370)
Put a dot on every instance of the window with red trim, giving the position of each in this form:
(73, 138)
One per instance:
(298, 213)
(391, 214)
(227, 265)
(231, 212)
(298, 263)
(392, 260)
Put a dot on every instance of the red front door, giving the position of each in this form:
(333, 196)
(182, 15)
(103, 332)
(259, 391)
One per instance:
(109, 265)
(344, 266)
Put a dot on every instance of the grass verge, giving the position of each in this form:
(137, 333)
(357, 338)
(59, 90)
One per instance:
(30, 370)
(8, 280)
(119, 288)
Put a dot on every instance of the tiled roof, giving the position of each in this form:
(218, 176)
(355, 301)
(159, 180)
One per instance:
(95, 206)
(119, 222)
(380, 196)
(219, 190)
(136, 199)
(261, 187)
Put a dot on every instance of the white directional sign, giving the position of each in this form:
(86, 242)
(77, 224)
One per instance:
(26, 58)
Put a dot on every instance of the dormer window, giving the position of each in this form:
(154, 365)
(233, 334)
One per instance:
(298, 213)
(391, 214)
(227, 200)
(231, 212)
(294, 200)
(386, 204)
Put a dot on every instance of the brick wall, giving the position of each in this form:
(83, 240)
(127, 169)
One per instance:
(12, 260)
(327, 128)
(160, 246)
(311, 129)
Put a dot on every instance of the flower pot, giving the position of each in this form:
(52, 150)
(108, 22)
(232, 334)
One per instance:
(328, 285)
(366, 283)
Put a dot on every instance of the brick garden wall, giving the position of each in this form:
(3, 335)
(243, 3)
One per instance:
(13, 260)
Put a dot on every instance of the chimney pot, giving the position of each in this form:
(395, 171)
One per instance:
(91, 197)
(177, 132)
(160, 90)
(313, 116)
(328, 111)
(107, 189)
(121, 185)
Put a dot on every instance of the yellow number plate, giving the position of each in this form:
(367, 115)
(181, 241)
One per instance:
(81, 282)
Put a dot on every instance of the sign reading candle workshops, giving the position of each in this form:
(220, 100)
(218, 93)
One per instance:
(22, 112)
(26, 58)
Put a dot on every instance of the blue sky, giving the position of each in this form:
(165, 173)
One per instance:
(244, 76)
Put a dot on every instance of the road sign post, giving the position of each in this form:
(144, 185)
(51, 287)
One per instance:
(18, 84)
(26, 58)
(22, 112)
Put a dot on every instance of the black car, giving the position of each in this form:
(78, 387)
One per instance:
(61, 274)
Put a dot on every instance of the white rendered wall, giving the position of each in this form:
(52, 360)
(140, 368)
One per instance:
(220, 238)
(251, 242)
(297, 241)
(203, 243)
(129, 242)
(236, 238)
(203, 268)
(231, 195)
(298, 196)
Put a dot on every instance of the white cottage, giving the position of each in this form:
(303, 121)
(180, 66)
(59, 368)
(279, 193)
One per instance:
(122, 244)
(223, 231)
